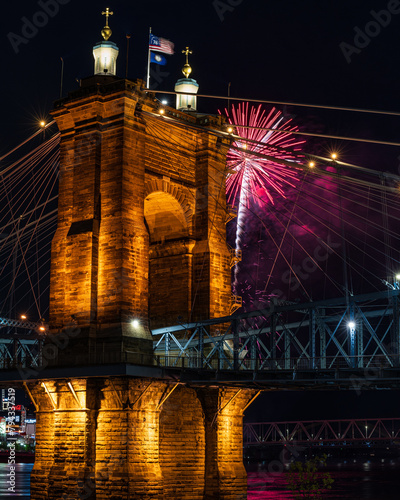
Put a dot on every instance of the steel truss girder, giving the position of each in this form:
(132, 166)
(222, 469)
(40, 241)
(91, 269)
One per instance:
(27, 325)
(322, 431)
(312, 336)
(271, 339)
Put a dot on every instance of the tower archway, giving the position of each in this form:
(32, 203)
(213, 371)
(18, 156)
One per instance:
(170, 257)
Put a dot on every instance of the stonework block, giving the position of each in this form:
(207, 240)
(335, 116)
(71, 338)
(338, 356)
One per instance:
(141, 225)
(127, 438)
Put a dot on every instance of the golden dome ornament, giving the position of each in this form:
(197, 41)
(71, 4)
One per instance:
(106, 31)
(187, 69)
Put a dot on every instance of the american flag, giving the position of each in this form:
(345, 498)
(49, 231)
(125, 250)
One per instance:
(160, 45)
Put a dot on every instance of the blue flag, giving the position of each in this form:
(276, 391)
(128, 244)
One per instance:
(158, 59)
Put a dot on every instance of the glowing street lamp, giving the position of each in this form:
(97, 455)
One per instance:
(352, 327)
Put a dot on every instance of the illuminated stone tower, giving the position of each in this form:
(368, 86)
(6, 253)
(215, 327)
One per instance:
(140, 242)
(141, 238)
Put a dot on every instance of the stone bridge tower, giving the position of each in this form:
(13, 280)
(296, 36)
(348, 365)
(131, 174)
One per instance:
(140, 242)
(141, 239)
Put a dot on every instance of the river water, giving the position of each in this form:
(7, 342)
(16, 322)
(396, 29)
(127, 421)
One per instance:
(355, 479)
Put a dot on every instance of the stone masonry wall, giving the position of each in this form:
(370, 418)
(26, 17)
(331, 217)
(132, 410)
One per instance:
(123, 438)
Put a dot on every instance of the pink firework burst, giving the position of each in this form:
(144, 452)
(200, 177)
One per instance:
(259, 161)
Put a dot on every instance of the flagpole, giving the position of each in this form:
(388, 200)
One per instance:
(127, 55)
(148, 63)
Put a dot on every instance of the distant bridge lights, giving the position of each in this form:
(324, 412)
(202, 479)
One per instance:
(351, 325)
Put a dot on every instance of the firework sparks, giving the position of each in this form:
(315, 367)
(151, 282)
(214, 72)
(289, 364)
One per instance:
(258, 161)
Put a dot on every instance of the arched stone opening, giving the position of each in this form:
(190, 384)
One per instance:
(170, 259)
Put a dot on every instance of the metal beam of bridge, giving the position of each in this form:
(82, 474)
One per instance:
(26, 325)
(321, 432)
(315, 335)
(291, 343)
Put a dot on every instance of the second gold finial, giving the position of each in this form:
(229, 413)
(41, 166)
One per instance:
(106, 31)
(187, 69)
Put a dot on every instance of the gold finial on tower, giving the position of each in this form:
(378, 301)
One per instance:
(106, 31)
(187, 69)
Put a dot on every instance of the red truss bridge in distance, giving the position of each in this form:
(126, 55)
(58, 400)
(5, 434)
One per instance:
(322, 432)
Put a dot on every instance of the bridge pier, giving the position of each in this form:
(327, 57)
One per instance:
(129, 438)
(140, 242)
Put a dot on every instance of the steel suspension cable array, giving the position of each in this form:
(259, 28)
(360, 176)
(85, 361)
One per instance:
(350, 187)
(359, 182)
(24, 217)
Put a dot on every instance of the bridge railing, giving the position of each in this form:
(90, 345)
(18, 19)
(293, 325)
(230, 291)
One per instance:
(294, 338)
(293, 367)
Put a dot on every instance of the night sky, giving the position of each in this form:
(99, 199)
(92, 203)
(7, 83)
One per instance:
(288, 51)
(280, 51)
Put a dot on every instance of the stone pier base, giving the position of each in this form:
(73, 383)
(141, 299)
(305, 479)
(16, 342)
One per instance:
(129, 438)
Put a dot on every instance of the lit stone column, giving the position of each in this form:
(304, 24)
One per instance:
(226, 477)
(64, 459)
(127, 440)
(211, 268)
